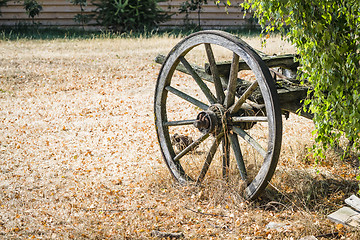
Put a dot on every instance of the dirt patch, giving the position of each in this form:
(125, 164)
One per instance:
(79, 156)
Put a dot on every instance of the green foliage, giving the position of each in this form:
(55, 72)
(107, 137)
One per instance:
(326, 34)
(81, 3)
(82, 18)
(32, 8)
(126, 15)
(226, 4)
(192, 6)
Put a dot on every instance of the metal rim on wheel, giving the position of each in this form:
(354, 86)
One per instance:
(218, 119)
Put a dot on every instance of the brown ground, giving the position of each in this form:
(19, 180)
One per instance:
(79, 157)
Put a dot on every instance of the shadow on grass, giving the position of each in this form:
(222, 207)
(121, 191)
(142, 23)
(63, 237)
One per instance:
(303, 191)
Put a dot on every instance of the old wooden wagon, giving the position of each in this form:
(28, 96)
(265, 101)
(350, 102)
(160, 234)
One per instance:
(218, 110)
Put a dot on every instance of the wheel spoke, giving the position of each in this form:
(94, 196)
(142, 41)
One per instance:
(234, 108)
(186, 97)
(230, 97)
(191, 146)
(199, 70)
(179, 123)
(209, 157)
(215, 73)
(250, 140)
(238, 155)
(226, 156)
(204, 88)
(248, 119)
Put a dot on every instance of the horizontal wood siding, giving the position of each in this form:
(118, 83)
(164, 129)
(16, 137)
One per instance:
(61, 13)
(54, 13)
(212, 16)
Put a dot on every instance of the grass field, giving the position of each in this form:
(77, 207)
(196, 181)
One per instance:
(79, 157)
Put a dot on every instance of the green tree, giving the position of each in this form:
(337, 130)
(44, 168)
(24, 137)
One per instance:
(32, 8)
(125, 15)
(82, 18)
(192, 6)
(326, 34)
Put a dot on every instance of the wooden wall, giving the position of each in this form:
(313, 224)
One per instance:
(212, 16)
(54, 13)
(61, 13)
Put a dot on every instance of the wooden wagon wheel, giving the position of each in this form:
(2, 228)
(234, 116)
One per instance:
(219, 123)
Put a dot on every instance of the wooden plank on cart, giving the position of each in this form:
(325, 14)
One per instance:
(290, 94)
(346, 216)
(287, 61)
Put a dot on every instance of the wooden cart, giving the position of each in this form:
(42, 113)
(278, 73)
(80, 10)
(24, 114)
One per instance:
(227, 114)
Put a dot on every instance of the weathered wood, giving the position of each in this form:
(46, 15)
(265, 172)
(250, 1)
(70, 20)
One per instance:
(250, 140)
(192, 146)
(285, 61)
(204, 88)
(61, 13)
(296, 107)
(290, 94)
(218, 114)
(243, 97)
(180, 123)
(180, 67)
(187, 97)
(249, 119)
(230, 97)
(211, 15)
(167, 235)
(215, 74)
(209, 158)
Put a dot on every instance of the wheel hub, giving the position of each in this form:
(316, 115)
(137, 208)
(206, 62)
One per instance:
(210, 121)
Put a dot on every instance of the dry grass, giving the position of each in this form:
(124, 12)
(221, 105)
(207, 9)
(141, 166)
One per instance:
(79, 156)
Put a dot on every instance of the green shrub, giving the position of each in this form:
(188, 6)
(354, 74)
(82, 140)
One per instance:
(126, 15)
(326, 34)
(32, 8)
(192, 6)
(82, 17)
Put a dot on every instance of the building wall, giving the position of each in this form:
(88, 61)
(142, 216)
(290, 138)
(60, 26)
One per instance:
(54, 13)
(212, 16)
(61, 13)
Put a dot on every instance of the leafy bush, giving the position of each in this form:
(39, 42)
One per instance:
(32, 8)
(82, 18)
(326, 34)
(192, 6)
(125, 15)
